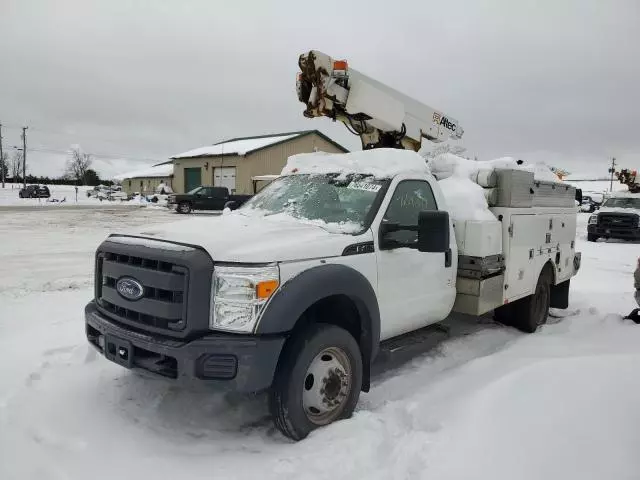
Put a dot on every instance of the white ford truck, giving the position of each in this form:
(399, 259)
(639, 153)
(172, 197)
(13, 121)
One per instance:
(297, 290)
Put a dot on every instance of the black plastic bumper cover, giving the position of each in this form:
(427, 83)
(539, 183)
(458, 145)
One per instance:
(237, 362)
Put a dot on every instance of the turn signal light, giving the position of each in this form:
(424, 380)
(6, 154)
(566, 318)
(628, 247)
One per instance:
(265, 289)
(340, 65)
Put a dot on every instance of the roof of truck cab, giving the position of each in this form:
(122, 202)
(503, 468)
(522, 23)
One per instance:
(380, 163)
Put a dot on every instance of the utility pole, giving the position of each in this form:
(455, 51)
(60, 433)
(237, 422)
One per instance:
(24, 157)
(612, 170)
(1, 158)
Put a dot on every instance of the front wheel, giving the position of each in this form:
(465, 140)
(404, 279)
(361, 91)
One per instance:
(184, 207)
(318, 380)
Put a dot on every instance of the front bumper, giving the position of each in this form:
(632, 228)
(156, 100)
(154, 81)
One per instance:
(237, 362)
(619, 233)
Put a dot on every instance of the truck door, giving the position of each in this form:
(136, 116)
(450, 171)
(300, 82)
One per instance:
(219, 196)
(415, 289)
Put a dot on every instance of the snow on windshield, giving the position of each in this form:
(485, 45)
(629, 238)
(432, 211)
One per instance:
(335, 203)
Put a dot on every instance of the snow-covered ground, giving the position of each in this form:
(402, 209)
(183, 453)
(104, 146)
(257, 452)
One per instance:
(488, 403)
(9, 196)
(66, 198)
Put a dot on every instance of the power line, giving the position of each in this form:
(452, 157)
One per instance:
(114, 156)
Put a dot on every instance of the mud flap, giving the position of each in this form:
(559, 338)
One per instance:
(560, 295)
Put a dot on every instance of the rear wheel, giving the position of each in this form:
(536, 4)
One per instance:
(318, 380)
(184, 207)
(528, 313)
(592, 237)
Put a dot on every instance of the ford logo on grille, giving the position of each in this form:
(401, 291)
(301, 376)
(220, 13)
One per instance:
(130, 288)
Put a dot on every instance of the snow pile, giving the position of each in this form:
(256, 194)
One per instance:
(447, 164)
(379, 163)
(465, 199)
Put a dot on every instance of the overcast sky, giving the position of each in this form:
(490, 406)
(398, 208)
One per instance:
(138, 81)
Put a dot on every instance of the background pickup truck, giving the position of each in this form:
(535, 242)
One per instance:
(206, 198)
(619, 218)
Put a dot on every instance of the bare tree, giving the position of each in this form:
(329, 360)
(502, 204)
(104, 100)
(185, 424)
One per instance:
(15, 166)
(4, 167)
(78, 164)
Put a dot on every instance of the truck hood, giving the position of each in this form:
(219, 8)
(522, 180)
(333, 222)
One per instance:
(238, 238)
(631, 211)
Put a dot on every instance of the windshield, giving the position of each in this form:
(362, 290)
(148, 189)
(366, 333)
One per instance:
(623, 202)
(330, 199)
(194, 191)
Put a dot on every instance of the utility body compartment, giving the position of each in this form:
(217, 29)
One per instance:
(531, 237)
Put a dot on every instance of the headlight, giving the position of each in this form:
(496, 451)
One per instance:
(593, 219)
(239, 294)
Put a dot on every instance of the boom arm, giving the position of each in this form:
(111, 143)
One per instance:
(378, 114)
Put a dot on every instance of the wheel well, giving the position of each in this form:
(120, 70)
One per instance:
(338, 310)
(548, 267)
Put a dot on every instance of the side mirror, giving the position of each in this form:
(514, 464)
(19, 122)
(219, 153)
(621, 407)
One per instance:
(385, 229)
(433, 231)
(231, 205)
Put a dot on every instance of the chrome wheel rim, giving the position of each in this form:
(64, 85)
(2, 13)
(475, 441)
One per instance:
(327, 385)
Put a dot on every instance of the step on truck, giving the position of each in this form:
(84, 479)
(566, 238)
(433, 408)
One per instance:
(298, 290)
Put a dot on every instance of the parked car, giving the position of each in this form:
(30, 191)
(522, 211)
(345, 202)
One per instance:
(34, 191)
(589, 204)
(206, 198)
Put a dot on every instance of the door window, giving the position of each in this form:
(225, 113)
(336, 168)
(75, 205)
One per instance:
(409, 199)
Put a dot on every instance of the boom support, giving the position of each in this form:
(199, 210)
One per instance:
(378, 114)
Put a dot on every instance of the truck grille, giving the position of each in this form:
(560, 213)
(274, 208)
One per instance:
(175, 282)
(617, 220)
(162, 305)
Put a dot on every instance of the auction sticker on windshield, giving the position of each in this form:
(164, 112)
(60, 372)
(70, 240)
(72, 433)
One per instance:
(366, 186)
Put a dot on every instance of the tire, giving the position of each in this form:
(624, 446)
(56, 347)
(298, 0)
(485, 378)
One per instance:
(532, 311)
(297, 391)
(528, 313)
(504, 314)
(592, 237)
(184, 207)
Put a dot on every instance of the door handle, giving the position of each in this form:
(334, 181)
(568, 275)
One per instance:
(448, 258)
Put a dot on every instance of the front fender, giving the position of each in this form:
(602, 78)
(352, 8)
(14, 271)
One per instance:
(311, 286)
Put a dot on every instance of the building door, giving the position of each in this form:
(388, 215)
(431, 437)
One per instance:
(225, 177)
(192, 178)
